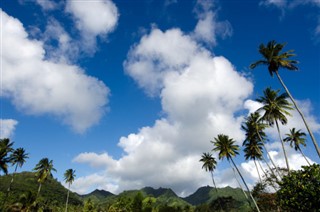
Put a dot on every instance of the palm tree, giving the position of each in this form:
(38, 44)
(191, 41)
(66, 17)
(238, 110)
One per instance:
(275, 59)
(275, 109)
(43, 169)
(18, 158)
(209, 164)
(5, 148)
(253, 151)
(296, 138)
(226, 148)
(254, 130)
(69, 176)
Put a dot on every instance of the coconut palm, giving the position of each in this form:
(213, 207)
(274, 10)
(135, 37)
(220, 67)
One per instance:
(5, 149)
(209, 164)
(253, 151)
(227, 149)
(296, 138)
(43, 171)
(275, 108)
(275, 59)
(69, 176)
(18, 158)
(254, 130)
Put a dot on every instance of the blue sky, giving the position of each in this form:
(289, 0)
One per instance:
(129, 93)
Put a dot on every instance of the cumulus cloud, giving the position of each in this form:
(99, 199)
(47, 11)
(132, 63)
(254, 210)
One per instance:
(93, 18)
(197, 104)
(208, 27)
(7, 127)
(39, 86)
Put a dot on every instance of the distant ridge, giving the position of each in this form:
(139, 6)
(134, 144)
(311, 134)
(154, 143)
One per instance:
(158, 192)
(98, 195)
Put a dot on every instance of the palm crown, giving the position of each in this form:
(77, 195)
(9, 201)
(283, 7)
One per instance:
(19, 157)
(274, 58)
(69, 176)
(296, 138)
(275, 106)
(44, 168)
(209, 162)
(225, 146)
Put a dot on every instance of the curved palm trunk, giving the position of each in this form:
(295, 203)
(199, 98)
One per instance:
(255, 204)
(254, 160)
(284, 151)
(215, 188)
(274, 165)
(301, 114)
(304, 156)
(68, 197)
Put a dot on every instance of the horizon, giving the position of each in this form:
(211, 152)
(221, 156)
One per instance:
(131, 93)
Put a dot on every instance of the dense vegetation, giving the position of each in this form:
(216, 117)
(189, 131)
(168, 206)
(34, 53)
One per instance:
(278, 189)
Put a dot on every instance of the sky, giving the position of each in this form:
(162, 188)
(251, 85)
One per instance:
(130, 93)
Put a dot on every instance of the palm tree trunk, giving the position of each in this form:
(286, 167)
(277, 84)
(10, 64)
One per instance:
(304, 156)
(215, 188)
(39, 190)
(271, 183)
(301, 114)
(67, 198)
(15, 170)
(235, 176)
(246, 186)
(274, 165)
(254, 160)
(282, 143)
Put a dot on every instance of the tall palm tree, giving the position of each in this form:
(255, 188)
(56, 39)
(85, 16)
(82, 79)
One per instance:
(43, 171)
(209, 164)
(69, 176)
(296, 138)
(254, 130)
(18, 158)
(275, 59)
(227, 149)
(275, 108)
(253, 151)
(5, 149)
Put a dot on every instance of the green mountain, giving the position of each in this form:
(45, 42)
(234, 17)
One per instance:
(98, 195)
(53, 196)
(208, 194)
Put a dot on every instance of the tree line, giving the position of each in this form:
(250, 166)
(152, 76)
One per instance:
(275, 109)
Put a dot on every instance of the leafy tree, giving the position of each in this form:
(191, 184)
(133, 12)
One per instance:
(137, 202)
(275, 108)
(266, 201)
(296, 138)
(5, 149)
(275, 59)
(300, 190)
(69, 176)
(18, 158)
(89, 206)
(226, 148)
(43, 171)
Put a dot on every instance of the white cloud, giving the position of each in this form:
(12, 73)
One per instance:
(39, 86)
(208, 27)
(93, 18)
(66, 50)
(197, 103)
(7, 127)
(47, 4)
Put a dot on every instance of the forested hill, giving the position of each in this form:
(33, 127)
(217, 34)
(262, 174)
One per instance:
(53, 195)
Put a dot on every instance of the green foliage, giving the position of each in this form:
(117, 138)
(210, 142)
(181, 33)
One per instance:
(299, 191)
(24, 189)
